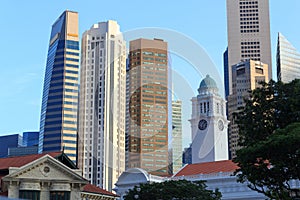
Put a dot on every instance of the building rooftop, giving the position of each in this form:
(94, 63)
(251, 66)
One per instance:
(208, 82)
(20, 161)
(207, 168)
(89, 188)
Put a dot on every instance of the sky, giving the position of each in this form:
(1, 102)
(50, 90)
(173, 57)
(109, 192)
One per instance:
(25, 31)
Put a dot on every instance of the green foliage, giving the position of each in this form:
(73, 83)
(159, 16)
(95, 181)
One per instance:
(269, 131)
(171, 190)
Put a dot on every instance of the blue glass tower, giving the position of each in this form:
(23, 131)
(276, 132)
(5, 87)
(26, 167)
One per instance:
(9, 141)
(226, 74)
(30, 139)
(58, 123)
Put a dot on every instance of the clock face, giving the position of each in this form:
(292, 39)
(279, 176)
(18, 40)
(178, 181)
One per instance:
(221, 125)
(202, 124)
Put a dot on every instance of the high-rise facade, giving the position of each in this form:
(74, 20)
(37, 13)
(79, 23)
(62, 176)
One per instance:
(226, 75)
(209, 124)
(248, 26)
(9, 141)
(246, 76)
(30, 138)
(176, 136)
(288, 60)
(102, 104)
(148, 106)
(58, 123)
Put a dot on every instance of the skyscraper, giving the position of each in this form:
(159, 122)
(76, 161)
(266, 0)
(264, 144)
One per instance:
(288, 60)
(58, 124)
(246, 76)
(148, 107)
(226, 75)
(9, 141)
(30, 138)
(176, 136)
(102, 104)
(248, 25)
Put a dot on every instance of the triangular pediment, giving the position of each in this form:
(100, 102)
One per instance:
(46, 168)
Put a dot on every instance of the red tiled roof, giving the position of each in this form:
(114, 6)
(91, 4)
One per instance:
(94, 189)
(208, 168)
(20, 161)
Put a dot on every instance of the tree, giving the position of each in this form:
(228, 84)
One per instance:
(270, 137)
(171, 190)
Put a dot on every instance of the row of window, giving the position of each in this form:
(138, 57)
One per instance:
(246, 2)
(256, 10)
(243, 7)
(249, 31)
(59, 128)
(248, 18)
(249, 15)
(255, 26)
(251, 51)
(250, 55)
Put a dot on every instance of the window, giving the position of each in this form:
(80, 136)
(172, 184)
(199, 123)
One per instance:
(29, 194)
(201, 110)
(207, 106)
(59, 195)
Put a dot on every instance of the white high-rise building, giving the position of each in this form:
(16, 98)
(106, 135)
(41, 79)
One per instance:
(176, 136)
(209, 124)
(248, 26)
(102, 102)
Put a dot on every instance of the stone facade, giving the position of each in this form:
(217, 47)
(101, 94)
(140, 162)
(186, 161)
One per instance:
(44, 175)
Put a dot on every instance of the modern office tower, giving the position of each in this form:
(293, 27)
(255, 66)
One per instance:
(148, 107)
(58, 124)
(30, 138)
(101, 141)
(226, 79)
(9, 141)
(288, 60)
(246, 76)
(176, 136)
(209, 124)
(248, 25)
(187, 156)
(30, 141)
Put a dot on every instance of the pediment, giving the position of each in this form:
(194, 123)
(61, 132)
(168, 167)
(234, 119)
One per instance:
(46, 168)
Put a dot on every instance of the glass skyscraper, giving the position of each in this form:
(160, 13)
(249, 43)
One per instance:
(288, 60)
(30, 138)
(226, 73)
(9, 141)
(58, 123)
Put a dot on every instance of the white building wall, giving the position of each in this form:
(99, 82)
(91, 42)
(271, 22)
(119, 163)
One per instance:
(102, 104)
(210, 144)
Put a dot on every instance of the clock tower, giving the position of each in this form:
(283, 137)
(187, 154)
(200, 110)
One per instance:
(209, 124)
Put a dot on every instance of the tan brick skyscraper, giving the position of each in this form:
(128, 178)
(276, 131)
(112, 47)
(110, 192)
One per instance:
(148, 106)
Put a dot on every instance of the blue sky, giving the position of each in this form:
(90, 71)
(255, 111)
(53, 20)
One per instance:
(26, 26)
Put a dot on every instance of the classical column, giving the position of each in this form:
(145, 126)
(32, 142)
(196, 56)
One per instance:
(75, 191)
(13, 189)
(45, 191)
